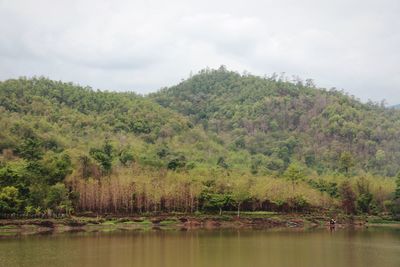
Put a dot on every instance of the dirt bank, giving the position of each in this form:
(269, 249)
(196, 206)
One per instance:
(18, 227)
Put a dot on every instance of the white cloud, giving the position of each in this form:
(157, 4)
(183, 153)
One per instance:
(142, 46)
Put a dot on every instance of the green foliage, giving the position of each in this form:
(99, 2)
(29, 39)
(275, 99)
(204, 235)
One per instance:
(103, 156)
(30, 149)
(13, 173)
(364, 202)
(126, 157)
(240, 193)
(215, 201)
(9, 200)
(221, 163)
(284, 120)
(177, 163)
(57, 199)
(294, 173)
(364, 199)
(56, 167)
(325, 186)
(346, 162)
(395, 208)
(309, 160)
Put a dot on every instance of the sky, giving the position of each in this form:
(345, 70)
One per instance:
(142, 46)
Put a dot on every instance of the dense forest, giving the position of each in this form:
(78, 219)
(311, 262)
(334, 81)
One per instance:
(216, 141)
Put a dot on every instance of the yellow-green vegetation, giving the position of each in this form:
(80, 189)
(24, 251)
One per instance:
(4, 227)
(109, 223)
(219, 141)
(144, 222)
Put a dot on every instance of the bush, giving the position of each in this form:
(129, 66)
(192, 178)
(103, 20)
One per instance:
(9, 200)
(215, 201)
(395, 208)
(364, 202)
(57, 199)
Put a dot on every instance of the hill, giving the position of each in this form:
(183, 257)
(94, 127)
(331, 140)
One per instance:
(219, 140)
(278, 121)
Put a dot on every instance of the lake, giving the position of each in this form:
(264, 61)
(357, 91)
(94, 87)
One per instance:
(275, 247)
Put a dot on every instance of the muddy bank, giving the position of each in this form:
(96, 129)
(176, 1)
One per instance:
(18, 227)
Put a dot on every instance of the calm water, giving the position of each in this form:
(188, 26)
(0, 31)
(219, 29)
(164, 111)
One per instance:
(371, 247)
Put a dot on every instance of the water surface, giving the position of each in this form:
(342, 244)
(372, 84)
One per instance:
(369, 247)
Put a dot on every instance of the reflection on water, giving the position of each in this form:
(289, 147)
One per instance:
(369, 247)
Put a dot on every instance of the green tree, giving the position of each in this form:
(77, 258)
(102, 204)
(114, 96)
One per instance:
(55, 167)
(57, 199)
(177, 163)
(13, 174)
(240, 193)
(104, 156)
(365, 197)
(346, 162)
(294, 173)
(215, 201)
(30, 149)
(9, 200)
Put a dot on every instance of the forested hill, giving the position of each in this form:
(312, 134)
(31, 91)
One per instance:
(215, 141)
(82, 108)
(242, 122)
(279, 121)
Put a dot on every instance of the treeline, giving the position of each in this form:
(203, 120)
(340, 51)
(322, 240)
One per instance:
(107, 181)
(132, 188)
(178, 192)
(218, 141)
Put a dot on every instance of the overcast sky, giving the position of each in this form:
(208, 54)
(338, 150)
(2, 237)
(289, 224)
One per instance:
(145, 45)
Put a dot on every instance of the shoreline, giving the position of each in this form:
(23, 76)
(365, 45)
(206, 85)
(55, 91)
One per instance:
(25, 227)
